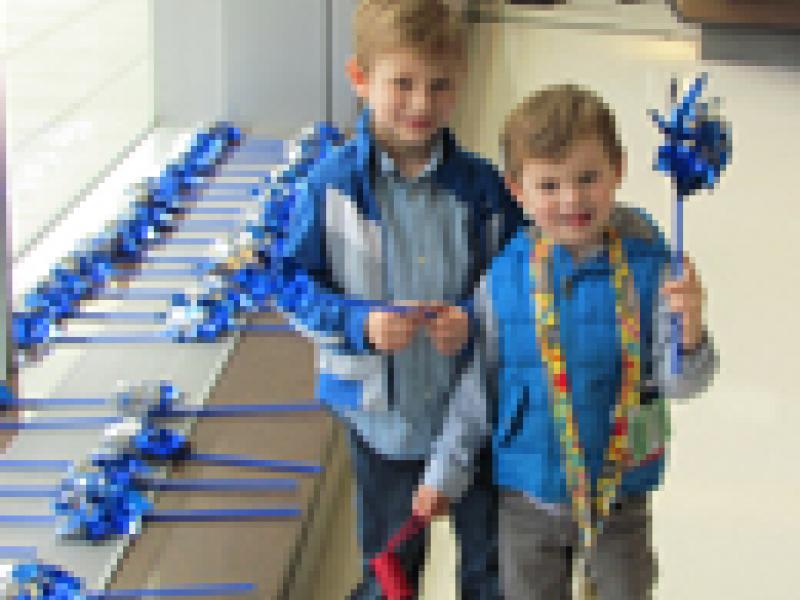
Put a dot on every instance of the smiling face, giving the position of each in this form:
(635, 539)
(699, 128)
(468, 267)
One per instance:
(571, 199)
(411, 96)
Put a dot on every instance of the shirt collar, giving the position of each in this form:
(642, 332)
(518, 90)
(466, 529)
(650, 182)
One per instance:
(591, 258)
(387, 168)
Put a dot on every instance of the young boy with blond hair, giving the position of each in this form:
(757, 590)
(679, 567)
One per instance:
(576, 314)
(384, 249)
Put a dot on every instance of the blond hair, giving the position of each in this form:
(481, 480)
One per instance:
(429, 27)
(546, 124)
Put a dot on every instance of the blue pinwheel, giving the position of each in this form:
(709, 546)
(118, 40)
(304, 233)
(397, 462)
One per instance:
(100, 503)
(246, 288)
(153, 215)
(38, 580)
(696, 150)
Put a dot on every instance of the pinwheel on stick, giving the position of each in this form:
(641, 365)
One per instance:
(695, 152)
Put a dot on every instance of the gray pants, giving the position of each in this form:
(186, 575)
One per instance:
(537, 547)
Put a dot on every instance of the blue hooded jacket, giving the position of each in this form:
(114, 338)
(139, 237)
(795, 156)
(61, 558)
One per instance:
(331, 275)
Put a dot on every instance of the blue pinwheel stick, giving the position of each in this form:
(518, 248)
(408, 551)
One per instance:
(213, 459)
(695, 152)
(209, 515)
(36, 579)
(17, 552)
(166, 484)
(149, 400)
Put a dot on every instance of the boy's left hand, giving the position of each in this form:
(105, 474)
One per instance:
(428, 502)
(685, 297)
(448, 329)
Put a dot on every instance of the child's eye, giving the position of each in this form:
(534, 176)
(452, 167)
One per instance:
(588, 177)
(548, 187)
(403, 83)
(441, 85)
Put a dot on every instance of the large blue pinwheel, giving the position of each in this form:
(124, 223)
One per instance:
(695, 152)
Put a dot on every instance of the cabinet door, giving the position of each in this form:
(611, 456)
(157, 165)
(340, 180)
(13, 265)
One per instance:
(783, 14)
(343, 100)
(274, 63)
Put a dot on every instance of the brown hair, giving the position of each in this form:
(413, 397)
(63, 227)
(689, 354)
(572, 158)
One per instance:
(429, 27)
(546, 124)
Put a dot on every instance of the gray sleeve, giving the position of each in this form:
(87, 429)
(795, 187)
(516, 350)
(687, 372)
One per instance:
(698, 367)
(450, 467)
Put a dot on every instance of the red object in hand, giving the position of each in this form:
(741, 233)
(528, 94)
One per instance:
(386, 566)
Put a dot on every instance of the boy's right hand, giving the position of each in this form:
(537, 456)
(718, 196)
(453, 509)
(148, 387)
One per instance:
(391, 331)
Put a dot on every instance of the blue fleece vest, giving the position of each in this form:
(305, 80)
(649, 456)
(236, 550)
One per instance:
(527, 449)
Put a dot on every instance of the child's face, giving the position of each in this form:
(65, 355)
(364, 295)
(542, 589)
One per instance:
(411, 96)
(571, 200)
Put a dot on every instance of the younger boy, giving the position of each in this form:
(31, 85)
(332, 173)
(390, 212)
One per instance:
(383, 250)
(577, 316)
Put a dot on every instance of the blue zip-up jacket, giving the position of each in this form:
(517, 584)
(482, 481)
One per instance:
(331, 273)
(526, 445)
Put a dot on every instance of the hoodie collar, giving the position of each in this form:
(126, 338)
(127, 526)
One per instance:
(366, 154)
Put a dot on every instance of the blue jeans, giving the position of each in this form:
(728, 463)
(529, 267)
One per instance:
(383, 503)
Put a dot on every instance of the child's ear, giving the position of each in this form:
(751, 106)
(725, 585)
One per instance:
(356, 76)
(621, 168)
(514, 187)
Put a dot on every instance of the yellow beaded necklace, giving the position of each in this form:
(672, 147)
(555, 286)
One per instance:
(589, 509)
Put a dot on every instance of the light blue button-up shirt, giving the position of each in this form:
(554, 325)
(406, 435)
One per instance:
(426, 258)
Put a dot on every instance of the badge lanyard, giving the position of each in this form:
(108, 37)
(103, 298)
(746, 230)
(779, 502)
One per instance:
(589, 508)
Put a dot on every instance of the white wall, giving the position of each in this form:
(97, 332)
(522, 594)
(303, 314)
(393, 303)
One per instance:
(5, 284)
